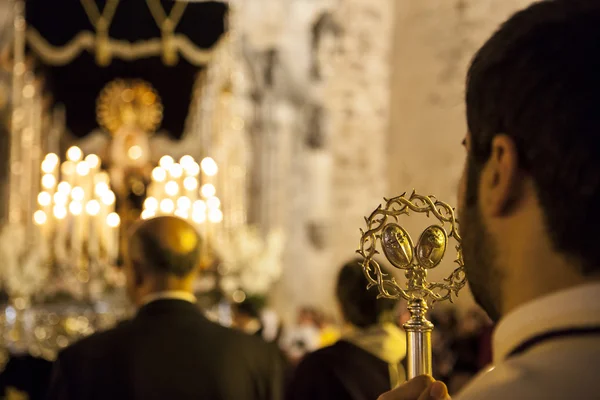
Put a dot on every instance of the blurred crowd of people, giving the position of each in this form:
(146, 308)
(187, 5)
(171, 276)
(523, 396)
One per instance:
(461, 338)
(356, 356)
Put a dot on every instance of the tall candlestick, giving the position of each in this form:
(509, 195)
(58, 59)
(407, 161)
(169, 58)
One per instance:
(113, 221)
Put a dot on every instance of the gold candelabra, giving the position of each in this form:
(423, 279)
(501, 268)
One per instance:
(399, 249)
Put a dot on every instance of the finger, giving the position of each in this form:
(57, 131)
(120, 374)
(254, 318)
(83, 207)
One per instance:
(410, 390)
(435, 391)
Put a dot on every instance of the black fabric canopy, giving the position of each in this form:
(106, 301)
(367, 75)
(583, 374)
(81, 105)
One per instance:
(77, 84)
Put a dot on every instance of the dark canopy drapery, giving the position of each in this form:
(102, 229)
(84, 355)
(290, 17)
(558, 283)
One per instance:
(77, 84)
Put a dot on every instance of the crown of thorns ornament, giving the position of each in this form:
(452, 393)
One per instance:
(398, 247)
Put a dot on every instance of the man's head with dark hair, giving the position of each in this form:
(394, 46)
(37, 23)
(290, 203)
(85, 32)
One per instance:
(532, 178)
(359, 306)
(163, 254)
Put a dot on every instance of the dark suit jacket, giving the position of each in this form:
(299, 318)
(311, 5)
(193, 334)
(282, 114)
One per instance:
(342, 371)
(168, 351)
(27, 374)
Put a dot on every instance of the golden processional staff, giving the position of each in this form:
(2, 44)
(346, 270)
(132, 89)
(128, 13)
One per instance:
(383, 230)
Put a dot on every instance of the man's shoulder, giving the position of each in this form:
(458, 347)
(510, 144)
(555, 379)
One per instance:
(326, 356)
(539, 374)
(97, 343)
(240, 340)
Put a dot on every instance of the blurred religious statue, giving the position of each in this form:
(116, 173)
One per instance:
(129, 112)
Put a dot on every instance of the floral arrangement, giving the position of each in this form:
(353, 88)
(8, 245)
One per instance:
(250, 263)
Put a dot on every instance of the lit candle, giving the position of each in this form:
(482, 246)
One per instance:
(107, 200)
(40, 218)
(190, 184)
(112, 249)
(67, 170)
(159, 176)
(45, 203)
(92, 209)
(59, 214)
(77, 230)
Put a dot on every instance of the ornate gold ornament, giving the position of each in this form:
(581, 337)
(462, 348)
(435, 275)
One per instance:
(129, 103)
(101, 22)
(167, 25)
(398, 247)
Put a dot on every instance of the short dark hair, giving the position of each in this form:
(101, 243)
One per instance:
(160, 258)
(537, 80)
(360, 306)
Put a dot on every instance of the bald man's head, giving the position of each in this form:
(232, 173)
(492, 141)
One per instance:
(165, 245)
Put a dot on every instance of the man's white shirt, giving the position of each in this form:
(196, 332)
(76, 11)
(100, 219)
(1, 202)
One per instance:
(559, 367)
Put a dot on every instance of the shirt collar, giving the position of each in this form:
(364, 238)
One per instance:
(574, 307)
(169, 295)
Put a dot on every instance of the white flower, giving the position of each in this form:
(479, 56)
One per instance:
(252, 263)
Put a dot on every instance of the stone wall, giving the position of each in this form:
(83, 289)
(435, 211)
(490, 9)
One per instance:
(434, 42)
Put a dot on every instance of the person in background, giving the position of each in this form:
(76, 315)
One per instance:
(466, 347)
(330, 332)
(169, 350)
(443, 339)
(528, 205)
(246, 317)
(302, 338)
(367, 360)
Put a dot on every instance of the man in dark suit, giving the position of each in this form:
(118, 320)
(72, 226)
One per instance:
(169, 350)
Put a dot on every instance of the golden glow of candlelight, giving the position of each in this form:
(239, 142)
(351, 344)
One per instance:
(167, 206)
(74, 154)
(92, 160)
(166, 162)
(52, 159)
(190, 183)
(184, 203)
(28, 91)
(208, 190)
(186, 162)
(64, 188)
(77, 193)
(199, 206)
(193, 170)
(159, 174)
(198, 217)
(135, 152)
(68, 168)
(44, 199)
(75, 208)
(108, 198)
(60, 212)
(48, 181)
(82, 168)
(147, 214)
(238, 296)
(215, 215)
(39, 217)
(172, 188)
(151, 204)
(48, 166)
(101, 189)
(176, 171)
(60, 198)
(92, 207)
(209, 166)
(113, 220)
(181, 213)
(102, 177)
(213, 202)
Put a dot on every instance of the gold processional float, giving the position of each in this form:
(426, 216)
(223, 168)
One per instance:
(384, 231)
(60, 247)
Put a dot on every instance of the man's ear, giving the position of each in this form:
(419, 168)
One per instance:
(501, 182)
